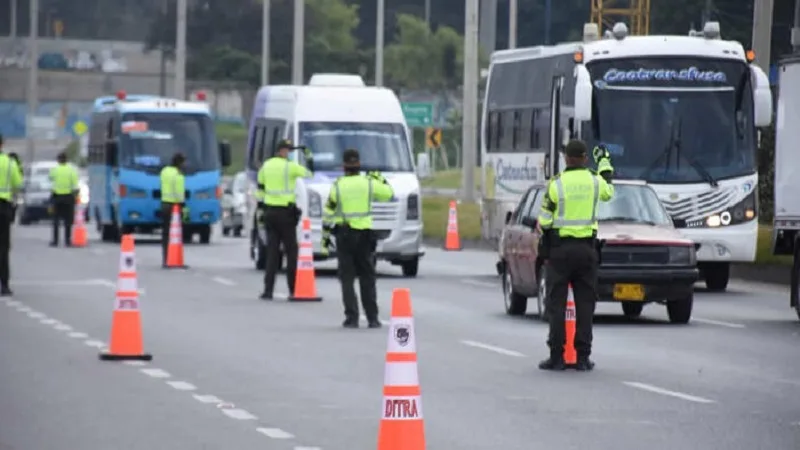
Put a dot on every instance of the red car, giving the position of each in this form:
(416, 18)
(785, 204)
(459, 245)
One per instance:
(643, 258)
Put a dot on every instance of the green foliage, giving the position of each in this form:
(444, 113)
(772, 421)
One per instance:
(766, 175)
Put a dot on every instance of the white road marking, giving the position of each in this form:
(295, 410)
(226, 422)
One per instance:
(107, 283)
(207, 398)
(717, 322)
(182, 385)
(94, 343)
(62, 327)
(155, 373)
(36, 315)
(308, 448)
(47, 321)
(275, 433)
(24, 309)
(662, 391)
(96, 251)
(135, 363)
(238, 414)
(480, 283)
(78, 335)
(224, 281)
(492, 348)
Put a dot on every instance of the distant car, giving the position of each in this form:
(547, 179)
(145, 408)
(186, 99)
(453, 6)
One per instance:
(234, 205)
(643, 258)
(34, 201)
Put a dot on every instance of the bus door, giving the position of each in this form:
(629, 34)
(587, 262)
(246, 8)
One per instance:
(551, 159)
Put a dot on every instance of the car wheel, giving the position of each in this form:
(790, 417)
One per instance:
(632, 310)
(237, 232)
(541, 294)
(410, 268)
(516, 305)
(680, 310)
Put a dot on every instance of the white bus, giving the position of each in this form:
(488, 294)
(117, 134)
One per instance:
(679, 112)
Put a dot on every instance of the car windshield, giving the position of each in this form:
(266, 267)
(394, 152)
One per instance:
(41, 172)
(674, 120)
(150, 140)
(38, 183)
(381, 146)
(634, 204)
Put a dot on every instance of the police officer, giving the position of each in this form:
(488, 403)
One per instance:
(348, 215)
(568, 220)
(173, 192)
(64, 191)
(10, 183)
(277, 179)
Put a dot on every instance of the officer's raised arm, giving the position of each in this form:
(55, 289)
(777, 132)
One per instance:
(545, 217)
(602, 157)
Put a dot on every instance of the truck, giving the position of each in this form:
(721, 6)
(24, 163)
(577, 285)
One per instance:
(131, 138)
(678, 112)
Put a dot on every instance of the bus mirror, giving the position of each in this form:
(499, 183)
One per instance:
(111, 153)
(762, 98)
(583, 94)
(225, 153)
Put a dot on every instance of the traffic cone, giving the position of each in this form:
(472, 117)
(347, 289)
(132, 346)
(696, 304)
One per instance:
(175, 246)
(305, 284)
(402, 426)
(570, 355)
(452, 242)
(79, 236)
(126, 323)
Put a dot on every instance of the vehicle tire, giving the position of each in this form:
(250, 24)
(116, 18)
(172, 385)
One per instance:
(632, 310)
(258, 252)
(717, 276)
(109, 233)
(679, 310)
(410, 268)
(515, 304)
(237, 232)
(794, 279)
(205, 235)
(24, 219)
(226, 231)
(541, 294)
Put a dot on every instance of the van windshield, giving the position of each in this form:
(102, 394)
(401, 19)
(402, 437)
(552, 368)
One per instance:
(382, 146)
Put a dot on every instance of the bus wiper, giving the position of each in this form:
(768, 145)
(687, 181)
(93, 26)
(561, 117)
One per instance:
(692, 162)
(667, 153)
(626, 219)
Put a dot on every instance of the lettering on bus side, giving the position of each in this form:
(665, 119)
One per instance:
(402, 408)
(509, 171)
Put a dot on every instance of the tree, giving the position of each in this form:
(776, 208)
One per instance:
(331, 45)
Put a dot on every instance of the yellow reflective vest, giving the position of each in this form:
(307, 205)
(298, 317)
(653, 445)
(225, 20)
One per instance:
(350, 200)
(570, 204)
(64, 179)
(277, 180)
(10, 177)
(173, 185)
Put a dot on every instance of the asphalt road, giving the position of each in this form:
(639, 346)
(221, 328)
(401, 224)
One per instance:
(230, 371)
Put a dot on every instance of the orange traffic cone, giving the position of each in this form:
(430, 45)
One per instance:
(79, 236)
(402, 426)
(126, 323)
(305, 284)
(570, 355)
(452, 242)
(175, 246)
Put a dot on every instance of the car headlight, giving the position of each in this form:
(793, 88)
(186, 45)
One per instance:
(314, 204)
(205, 194)
(412, 207)
(682, 255)
(742, 212)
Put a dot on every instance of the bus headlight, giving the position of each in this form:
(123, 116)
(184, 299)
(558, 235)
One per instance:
(412, 207)
(314, 204)
(742, 212)
(682, 255)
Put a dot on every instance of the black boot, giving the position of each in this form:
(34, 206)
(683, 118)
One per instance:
(350, 323)
(5, 291)
(584, 364)
(553, 363)
(375, 323)
(265, 296)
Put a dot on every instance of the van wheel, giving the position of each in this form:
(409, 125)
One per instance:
(410, 268)
(515, 304)
(632, 310)
(717, 276)
(541, 294)
(680, 310)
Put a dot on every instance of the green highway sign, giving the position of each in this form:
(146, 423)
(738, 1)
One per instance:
(418, 114)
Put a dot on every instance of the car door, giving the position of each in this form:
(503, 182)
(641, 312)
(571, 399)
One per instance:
(510, 235)
(517, 248)
(527, 245)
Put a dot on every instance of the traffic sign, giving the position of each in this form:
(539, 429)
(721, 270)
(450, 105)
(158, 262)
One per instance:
(433, 137)
(418, 114)
(80, 128)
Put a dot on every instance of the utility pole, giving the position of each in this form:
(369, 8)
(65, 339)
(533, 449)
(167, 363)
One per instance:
(470, 102)
(180, 50)
(512, 23)
(487, 25)
(298, 41)
(13, 27)
(33, 80)
(379, 32)
(265, 30)
(428, 13)
(162, 80)
(762, 32)
(796, 27)
(709, 8)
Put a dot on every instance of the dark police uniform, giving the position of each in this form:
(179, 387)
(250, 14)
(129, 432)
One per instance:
(348, 215)
(173, 192)
(64, 192)
(277, 180)
(10, 182)
(569, 220)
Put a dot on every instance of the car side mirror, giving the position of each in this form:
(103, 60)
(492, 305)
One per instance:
(678, 223)
(529, 222)
(112, 155)
(509, 215)
(225, 153)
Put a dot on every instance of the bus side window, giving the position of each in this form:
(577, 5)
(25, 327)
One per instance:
(516, 141)
(257, 154)
(526, 118)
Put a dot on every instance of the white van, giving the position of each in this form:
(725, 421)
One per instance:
(333, 113)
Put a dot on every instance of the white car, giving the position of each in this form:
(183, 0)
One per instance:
(234, 205)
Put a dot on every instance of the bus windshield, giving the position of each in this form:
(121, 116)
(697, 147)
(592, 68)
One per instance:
(149, 141)
(381, 146)
(674, 120)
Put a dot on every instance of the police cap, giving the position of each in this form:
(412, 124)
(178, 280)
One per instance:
(351, 157)
(575, 149)
(285, 144)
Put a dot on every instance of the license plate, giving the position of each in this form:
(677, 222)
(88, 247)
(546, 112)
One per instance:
(629, 292)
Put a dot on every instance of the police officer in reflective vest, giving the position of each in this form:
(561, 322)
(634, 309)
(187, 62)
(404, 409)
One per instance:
(64, 192)
(173, 192)
(348, 215)
(568, 219)
(277, 179)
(10, 183)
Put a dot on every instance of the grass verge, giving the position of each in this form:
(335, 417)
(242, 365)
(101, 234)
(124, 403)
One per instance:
(435, 211)
(448, 179)
(764, 249)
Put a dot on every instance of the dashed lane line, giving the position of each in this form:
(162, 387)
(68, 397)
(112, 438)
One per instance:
(225, 281)
(718, 323)
(225, 407)
(667, 392)
(493, 348)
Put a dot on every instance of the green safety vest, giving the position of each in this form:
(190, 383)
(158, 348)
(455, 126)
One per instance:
(173, 188)
(571, 203)
(64, 178)
(10, 177)
(277, 180)
(350, 200)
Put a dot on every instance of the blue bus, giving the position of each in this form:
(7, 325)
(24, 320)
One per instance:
(131, 138)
